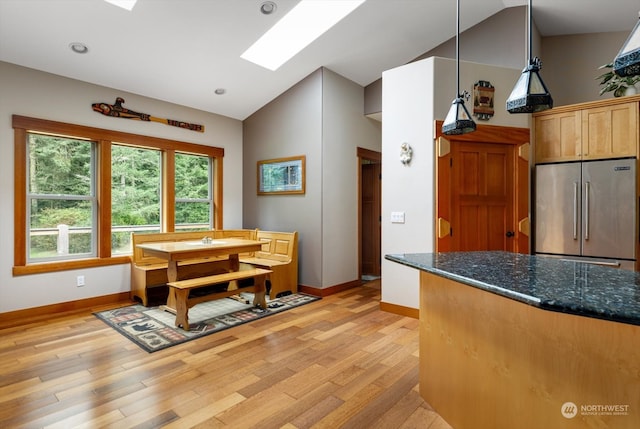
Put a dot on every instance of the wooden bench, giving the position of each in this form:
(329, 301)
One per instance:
(179, 291)
(151, 272)
(280, 255)
(247, 234)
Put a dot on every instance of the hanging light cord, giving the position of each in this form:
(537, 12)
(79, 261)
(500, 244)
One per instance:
(458, 49)
(530, 32)
(458, 120)
(464, 95)
(533, 61)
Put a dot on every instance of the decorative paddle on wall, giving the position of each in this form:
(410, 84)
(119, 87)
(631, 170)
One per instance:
(116, 110)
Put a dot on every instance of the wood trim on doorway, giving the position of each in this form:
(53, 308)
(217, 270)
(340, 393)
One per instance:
(365, 155)
(515, 136)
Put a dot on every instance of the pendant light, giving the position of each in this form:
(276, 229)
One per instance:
(458, 120)
(530, 93)
(627, 62)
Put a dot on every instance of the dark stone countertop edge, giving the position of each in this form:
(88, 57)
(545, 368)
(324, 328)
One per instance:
(471, 282)
(526, 299)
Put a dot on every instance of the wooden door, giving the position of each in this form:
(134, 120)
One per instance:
(482, 197)
(482, 190)
(370, 233)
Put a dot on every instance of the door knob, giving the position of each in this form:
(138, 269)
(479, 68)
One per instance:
(510, 234)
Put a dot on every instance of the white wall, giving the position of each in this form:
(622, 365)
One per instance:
(290, 125)
(407, 116)
(570, 65)
(321, 117)
(500, 40)
(411, 102)
(35, 94)
(344, 129)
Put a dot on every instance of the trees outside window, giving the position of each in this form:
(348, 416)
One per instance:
(193, 192)
(61, 198)
(80, 192)
(135, 194)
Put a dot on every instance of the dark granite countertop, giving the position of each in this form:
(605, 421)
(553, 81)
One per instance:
(549, 283)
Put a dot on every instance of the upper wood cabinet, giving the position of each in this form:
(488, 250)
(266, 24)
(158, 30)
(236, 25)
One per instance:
(610, 132)
(607, 129)
(558, 137)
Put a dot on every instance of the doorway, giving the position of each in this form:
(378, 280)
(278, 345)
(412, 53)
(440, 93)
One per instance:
(482, 197)
(483, 190)
(369, 213)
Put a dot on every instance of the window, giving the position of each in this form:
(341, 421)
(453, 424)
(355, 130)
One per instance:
(81, 191)
(193, 192)
(135, 194)
(61, 202)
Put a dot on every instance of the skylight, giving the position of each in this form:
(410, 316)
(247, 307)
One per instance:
(125, 4)
(307, 21)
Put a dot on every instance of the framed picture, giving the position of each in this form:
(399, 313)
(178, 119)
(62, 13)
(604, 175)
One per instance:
(281, 176)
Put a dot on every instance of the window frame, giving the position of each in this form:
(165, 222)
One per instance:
(160, 182)
(91, 197)
(210, 191)
(103, 138)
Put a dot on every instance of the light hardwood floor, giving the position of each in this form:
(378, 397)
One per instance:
(336, 363)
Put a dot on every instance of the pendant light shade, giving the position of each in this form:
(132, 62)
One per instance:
(530, 93)
(627, 62)
(458, 120)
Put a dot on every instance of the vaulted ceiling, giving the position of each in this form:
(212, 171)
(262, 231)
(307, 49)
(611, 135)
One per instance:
(181, 51)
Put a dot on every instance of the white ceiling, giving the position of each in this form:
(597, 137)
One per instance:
(180, 51)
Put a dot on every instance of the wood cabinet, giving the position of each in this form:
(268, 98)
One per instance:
(598, 130)
(558, 137)
(479, 349)
(610, 132)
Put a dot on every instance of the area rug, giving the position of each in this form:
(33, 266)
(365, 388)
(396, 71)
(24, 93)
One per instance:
(154, 329)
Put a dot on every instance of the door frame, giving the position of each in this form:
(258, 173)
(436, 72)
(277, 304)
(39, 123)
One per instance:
(518, 137)
(376, 157)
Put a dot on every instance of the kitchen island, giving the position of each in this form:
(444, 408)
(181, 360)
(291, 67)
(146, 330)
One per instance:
(520, 341)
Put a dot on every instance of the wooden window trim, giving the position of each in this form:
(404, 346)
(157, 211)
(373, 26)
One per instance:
(168, 217)
(105, 138)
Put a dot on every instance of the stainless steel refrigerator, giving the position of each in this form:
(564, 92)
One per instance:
(587, 210)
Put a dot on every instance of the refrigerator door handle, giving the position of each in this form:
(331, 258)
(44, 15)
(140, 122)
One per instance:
(587, 187)
(615, 264)
(575, 210)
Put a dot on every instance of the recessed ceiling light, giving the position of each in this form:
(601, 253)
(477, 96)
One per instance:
(307, 21)
(220, 91)
(268, 7)
(125, 4)
(79, 48)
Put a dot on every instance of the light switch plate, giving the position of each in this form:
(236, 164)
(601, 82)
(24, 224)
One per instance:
(397, 217)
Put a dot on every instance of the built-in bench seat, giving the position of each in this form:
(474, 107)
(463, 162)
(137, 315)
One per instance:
(280, 255)
(181, 296)
(151, 272)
